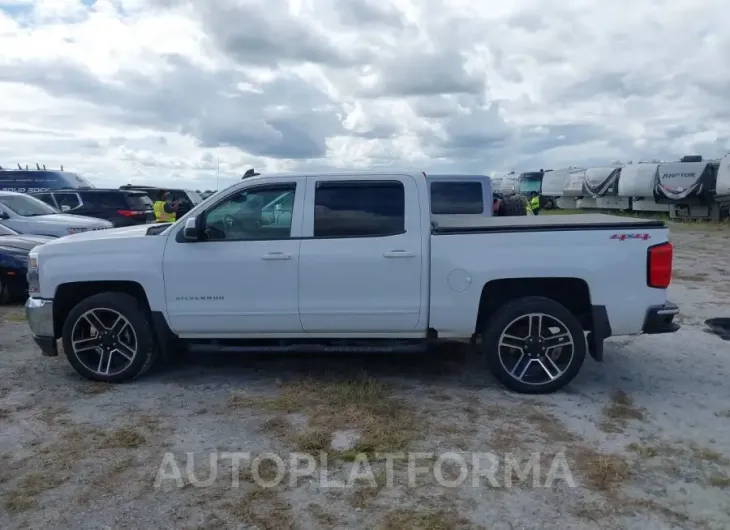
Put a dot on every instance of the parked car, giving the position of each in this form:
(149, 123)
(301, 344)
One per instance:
(120, 207)
(362, 264)
(30, 180)
(188, 198)
(28, 215)
(14, 249)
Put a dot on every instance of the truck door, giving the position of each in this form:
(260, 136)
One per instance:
(360, 259)
(243, 279)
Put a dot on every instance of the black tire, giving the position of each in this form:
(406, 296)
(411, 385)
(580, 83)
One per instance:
(549, 204)
(513, 206)
(138, 317)
(508, 313)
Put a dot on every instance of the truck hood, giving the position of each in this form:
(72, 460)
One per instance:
(23, 242)
(71, 221)
(109, 234)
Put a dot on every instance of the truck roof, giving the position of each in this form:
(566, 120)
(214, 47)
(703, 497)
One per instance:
(455, 224)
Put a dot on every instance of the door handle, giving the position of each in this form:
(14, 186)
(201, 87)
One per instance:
(276, 255)
(399, 254)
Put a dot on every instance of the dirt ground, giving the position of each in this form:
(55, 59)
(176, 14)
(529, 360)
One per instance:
(640, 441)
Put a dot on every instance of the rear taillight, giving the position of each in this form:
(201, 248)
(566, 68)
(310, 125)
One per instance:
(130, 213)
(659, 266)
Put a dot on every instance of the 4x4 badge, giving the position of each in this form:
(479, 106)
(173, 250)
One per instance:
(623, 237)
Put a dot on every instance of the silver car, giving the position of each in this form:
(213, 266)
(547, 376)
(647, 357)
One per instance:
(28, 215)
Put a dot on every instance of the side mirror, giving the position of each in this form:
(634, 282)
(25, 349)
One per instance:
(3, 215)
(190, 230)
(65, 208)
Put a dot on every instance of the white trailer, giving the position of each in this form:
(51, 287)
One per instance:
(636, 184)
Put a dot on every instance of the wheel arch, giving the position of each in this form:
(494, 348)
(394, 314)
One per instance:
(573, 293)
(68, 295)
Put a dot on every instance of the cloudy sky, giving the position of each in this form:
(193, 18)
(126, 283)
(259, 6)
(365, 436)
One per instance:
(162, 90)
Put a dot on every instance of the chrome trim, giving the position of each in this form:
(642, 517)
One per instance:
(39, 313)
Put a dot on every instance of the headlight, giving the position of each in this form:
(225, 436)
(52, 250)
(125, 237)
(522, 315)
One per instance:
(33, 276)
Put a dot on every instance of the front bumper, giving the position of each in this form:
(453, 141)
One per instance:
(659, 319)
(39, 313)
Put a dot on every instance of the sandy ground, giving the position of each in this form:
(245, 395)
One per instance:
(640, 441)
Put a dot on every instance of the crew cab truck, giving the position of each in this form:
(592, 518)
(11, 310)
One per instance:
(361, 263)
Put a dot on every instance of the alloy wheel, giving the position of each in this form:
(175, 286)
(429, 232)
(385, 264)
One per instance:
(536, 348)
(104, 341)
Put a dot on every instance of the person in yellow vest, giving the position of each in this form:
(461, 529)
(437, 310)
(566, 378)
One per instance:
(535, 203)
(165, 210)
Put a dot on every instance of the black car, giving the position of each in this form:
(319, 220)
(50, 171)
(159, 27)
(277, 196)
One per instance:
(120, 207)
(188, 198)
(14, 249)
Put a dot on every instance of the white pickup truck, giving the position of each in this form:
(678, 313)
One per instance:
(356, 262)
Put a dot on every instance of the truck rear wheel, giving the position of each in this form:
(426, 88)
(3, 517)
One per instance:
(513, 205)
(108, 337)
(534, 345)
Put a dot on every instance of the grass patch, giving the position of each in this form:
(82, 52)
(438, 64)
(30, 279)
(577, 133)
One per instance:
(620, 411)
(720, 481)
(403, 519)
(603, 471)
(123, 438)
(56, 461)
(264, 509)
(313, 441)
(24, 496)
(323, 518)
(709, 455)
(15, 316)
(644, 451)
(385, 422)
(94, 387)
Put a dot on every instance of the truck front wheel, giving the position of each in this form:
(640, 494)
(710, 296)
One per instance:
(534, 345)
(108, 337)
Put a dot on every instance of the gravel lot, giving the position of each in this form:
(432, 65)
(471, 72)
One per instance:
(645, 435)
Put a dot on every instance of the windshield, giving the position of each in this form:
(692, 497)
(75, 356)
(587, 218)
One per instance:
(26, 206)
(197, 199)
(5, 231)
(77, 181)
(528, 185)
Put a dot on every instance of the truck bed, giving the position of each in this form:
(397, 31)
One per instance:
(463, 224)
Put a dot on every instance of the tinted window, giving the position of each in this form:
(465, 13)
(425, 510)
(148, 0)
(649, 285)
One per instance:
(456, 198)
(359, 208)
(45, 197)
(67, 201)
(138, 201)
(242, 216)
(26, 206)
(115, 200)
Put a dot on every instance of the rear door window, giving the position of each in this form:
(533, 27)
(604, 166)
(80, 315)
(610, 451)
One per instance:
(115, 200)
(67, 201)
(448, 198)
(359, 209)
(46, 197)
(138, 201)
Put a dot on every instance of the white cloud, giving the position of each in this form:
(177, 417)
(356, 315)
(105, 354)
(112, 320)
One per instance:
(160, 90)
